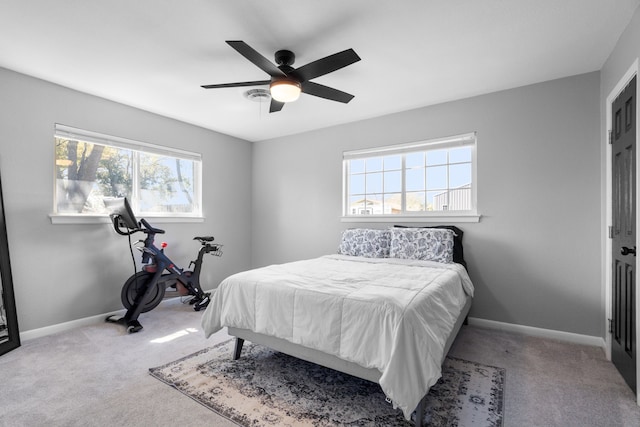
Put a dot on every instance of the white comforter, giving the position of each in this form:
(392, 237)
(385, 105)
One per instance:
(390, 314)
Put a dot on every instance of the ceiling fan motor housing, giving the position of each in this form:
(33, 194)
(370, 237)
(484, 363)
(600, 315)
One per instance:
(285, 57)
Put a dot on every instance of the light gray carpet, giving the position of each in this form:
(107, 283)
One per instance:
(98, 376)
(552, 383)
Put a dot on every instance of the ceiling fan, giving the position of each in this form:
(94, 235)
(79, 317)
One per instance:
(286, 82)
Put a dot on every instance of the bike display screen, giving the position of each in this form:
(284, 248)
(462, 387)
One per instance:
(119, 207)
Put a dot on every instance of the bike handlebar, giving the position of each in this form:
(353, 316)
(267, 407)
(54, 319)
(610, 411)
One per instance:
(116, 226)
(151, 231)
(149, 228)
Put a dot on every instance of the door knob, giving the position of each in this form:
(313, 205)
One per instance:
(626, 251)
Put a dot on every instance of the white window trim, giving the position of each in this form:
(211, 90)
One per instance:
(116, 141)
(454, 217)
(429, 217)
(69, 132)
(104, 219)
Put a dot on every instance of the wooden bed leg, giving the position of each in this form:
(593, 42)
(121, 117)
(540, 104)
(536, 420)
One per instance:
(238, 349)
(422, 406)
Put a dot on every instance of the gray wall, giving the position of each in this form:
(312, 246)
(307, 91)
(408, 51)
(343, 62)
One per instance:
(535, 255)
(67, 272)
(625, 52)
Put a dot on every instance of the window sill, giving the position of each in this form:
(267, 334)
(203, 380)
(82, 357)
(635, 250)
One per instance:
(103, 219)
(443, 218)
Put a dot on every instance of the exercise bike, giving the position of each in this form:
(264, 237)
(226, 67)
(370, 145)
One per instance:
(144, 290)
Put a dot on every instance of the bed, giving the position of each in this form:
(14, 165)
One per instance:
(386, 308)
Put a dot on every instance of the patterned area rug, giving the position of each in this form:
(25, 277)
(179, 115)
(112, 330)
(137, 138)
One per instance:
(267, 388)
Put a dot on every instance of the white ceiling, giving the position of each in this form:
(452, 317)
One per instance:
(155, 54)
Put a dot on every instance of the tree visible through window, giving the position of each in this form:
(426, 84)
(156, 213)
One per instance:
(154, 179)
(412, 179)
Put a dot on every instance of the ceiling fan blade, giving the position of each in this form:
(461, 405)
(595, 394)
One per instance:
(256, 58)
(239, 84)
(326, 92)
(275, 106)
(326, 65)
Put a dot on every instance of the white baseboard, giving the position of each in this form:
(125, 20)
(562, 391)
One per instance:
(61, 327)
(539, 332)
(85, 321)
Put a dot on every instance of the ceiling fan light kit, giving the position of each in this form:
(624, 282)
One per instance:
(287, 83)
(285, 90)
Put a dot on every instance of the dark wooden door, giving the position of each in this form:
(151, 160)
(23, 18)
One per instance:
(623, 140)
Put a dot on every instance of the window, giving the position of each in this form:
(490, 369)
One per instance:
(422, 179)
(158, 181)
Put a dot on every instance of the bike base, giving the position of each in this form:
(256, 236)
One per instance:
(131, 325)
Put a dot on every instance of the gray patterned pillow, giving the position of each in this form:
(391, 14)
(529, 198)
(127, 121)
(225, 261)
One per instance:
(366, 242)
(432, 244)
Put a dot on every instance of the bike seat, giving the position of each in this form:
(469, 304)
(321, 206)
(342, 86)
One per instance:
(204, 239)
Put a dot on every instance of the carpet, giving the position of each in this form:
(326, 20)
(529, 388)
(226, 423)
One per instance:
(268, 388)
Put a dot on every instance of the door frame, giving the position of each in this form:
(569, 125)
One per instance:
(608, 220)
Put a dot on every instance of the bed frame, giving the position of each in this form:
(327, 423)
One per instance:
(334, 362)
